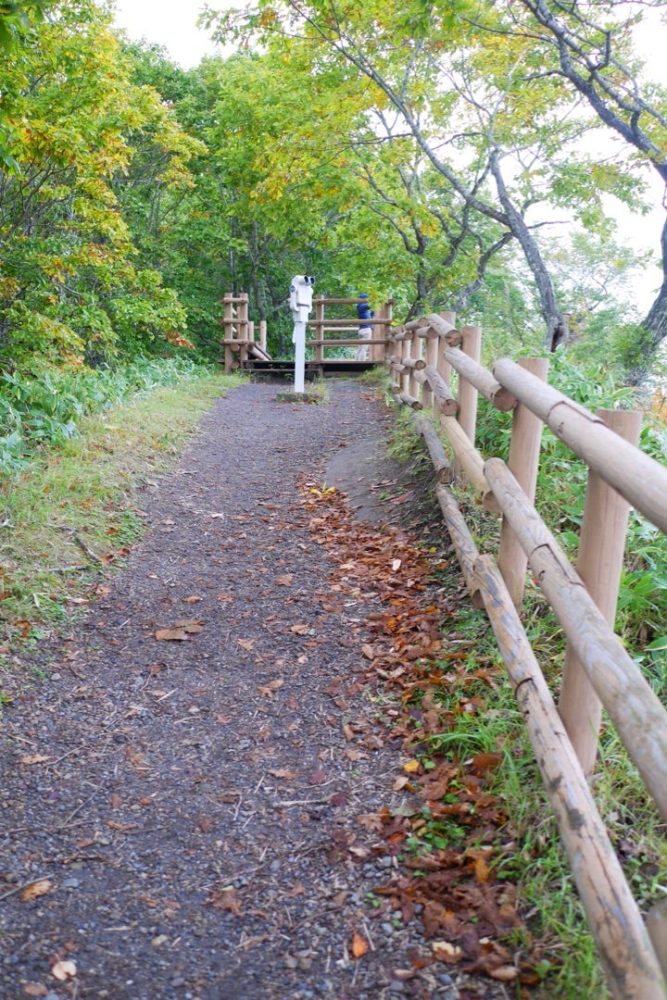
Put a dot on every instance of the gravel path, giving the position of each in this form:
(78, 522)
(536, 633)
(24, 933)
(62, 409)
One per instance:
(194, 809)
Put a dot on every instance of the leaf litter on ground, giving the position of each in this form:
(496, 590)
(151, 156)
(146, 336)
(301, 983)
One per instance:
(450, 831)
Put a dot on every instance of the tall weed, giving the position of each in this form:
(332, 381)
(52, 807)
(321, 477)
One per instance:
(44, 406)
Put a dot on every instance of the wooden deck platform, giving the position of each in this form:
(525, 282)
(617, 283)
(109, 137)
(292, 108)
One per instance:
(330, 366)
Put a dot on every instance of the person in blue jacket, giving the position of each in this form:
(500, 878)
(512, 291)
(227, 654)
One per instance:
(364, 311)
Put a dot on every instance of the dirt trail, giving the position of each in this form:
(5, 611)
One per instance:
(189, 813)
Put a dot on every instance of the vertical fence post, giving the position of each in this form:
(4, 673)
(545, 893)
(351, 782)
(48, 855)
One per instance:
(242, 325)
(443, 366)
(414, 352)
(599, 563)
(432, 342)
(407, 353)
(388, 314)
(319, 329)
(228, 316)
(262, 334)
(523, 461)
(472, 346)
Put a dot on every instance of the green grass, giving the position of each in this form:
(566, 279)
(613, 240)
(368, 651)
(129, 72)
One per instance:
(78, 495)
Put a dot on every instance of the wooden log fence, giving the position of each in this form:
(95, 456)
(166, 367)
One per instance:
(598, 671)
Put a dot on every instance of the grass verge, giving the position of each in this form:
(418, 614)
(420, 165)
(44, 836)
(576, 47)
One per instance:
(72, 513)
(536, 862)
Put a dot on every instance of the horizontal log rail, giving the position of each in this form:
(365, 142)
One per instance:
(636, 476)
(345, 342)
(481, 378)
(633, 954)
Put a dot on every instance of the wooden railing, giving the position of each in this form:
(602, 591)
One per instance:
(323, 325)
(598, 672)
(239, 339)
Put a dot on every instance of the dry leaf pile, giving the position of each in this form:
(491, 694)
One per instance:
(450, 830)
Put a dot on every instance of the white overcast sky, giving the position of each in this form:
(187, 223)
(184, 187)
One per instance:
(173, 24)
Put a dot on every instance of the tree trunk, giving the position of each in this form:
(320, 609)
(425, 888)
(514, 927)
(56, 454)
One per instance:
(654, 326)
(557, 328)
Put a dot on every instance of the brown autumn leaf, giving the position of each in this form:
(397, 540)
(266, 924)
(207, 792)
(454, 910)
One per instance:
(348, 732)
(282, 772)
(227, 899)
(224, 598)
(506, 973)
(114, 824)
(171, 634)
(300, 629)
(34, 758)
(193, 599)
(285, 580)
(359, 946)
(86, 842)
(482, 870)
(223, 720)
(193, 626)
(483, 762)
(445, 951)
(116, 801)
(246, 644)
(36, 889)
(368, 651)
(270, 689)
(136, 759)
(204, 824)
(35, 990)
(317, 778)
(64, 970)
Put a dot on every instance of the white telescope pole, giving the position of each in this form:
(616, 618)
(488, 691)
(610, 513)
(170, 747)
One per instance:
(301, 302)
(299, 339)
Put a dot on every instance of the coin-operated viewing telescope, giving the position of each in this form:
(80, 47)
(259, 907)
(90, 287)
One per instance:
(301, 304)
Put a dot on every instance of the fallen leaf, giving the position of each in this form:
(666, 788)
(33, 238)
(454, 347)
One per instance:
(224, 598)
(282, 772)
(486, 762)
(62, 971)
(193, 599)
(224, 720)
(411, 766)
(368, 651)
(116, 801)
(192, 627)
(444, 951)
(205, 824)
(226, 899)
(285, 580)
(270, 689)
(35, 990)
(317, 778)
(115, 824)
(482, 870)
(504, 972)
(396, 565)
(34, 758)
(300, 629)
(359, 945)
(246, 644)
(171, 634)
(36, 889)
